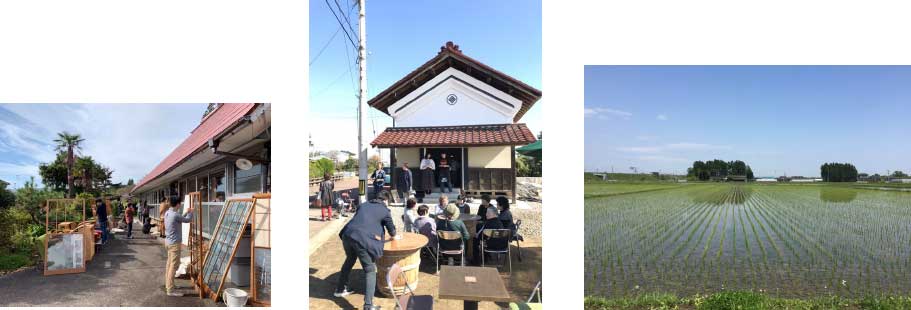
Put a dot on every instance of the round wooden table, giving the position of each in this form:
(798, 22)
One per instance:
(407, 254)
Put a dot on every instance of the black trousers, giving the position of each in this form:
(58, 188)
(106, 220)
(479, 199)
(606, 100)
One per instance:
(353, 252)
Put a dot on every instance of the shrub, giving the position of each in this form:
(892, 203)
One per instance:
(13, 261)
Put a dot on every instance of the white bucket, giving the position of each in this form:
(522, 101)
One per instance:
(235, 297)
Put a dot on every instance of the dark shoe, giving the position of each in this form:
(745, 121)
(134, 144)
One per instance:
(343, 292)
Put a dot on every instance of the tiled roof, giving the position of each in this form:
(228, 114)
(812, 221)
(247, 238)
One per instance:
(211, 126)
(470, 135)
(450, 56)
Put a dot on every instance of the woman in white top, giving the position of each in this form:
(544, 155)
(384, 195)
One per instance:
(410, 215)
(427, 169)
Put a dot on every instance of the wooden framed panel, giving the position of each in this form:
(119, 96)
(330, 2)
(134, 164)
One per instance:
(223, 245)
(64, 245)
(261, 251)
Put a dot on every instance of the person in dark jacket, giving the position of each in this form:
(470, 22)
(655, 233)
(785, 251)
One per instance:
(362, 239)
(101, 216)
(403, 186)
(379, 179)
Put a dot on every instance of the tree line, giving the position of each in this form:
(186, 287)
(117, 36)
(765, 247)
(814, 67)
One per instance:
(838, 172)
(718, 168)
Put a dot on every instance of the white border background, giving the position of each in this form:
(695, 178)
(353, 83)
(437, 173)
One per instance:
(256, 51)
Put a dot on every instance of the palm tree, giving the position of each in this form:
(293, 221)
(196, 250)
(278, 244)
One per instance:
(70, 143)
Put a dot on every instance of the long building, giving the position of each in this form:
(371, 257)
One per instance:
(212, 160)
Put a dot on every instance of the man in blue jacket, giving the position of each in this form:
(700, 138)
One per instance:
(403, 184)
(362, 239)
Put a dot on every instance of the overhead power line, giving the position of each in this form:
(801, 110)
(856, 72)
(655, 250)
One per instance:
(339, 20)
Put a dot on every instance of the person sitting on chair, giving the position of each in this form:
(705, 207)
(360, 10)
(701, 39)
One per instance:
(438, 208)
(491, 222)
(426, 226)
(505, 215)
(450, 222)
(463, 207)
(410, 215)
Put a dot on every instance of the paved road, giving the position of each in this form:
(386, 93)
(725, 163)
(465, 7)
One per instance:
(127, 273)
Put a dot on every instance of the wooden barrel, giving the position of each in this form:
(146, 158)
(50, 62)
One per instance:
(408, 261)
(407, 254)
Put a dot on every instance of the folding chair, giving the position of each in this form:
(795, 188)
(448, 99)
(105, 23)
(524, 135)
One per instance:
(407, 301)
(518, 238)
(450, 244)
(528, 305)
(496, 241)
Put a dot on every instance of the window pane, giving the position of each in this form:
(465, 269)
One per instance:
(217, 187)
(247, 185)
(256, 170)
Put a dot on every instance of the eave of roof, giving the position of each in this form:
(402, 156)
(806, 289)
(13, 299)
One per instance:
(450, 56)
(212, 125)
(467, 135)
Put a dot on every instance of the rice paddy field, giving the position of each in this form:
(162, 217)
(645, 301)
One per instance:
(790, 241)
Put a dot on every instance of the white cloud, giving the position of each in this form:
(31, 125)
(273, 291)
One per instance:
(646, 138)
(607, 113)
(683, 146)
(696, 146)
(660, 158)
(640, 149)
(129, 138)
(662, 117)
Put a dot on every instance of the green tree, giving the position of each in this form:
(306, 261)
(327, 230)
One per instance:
(89, 176)
(320, 167)
(71, 144)
(838, 172)
(31, 199)
(899, 174)
(7, 197)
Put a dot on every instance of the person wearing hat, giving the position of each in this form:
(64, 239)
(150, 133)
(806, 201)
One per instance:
(450, 221)
(362, 239)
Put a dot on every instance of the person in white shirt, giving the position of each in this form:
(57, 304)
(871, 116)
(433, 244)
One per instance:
(427, 169)
(410, 215)
(438, 209)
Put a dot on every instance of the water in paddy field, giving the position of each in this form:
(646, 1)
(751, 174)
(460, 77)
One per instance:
(785, 240)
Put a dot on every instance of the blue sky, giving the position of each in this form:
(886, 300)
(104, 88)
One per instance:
(779, 119)
(128, 138)
(402, 35)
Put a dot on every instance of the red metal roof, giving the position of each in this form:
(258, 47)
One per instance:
(211, 125)
(469, 135)
(450, 56)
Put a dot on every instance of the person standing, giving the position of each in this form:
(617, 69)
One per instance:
(174, 234)
(445, 174)
(101, 218)
(427, 168)
(128, 217)
(403, 187)
(379, 178)
(326, 191)
(362, 239)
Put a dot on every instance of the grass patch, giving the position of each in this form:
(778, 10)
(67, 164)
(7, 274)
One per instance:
(740, 300)
(12, 261)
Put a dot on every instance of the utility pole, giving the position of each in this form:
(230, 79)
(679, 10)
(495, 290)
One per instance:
(362, 103)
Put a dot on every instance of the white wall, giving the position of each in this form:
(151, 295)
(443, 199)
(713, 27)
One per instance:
(473, 107)
(489, 157)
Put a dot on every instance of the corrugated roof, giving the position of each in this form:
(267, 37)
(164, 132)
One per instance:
(212, 125)
(469, 135)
